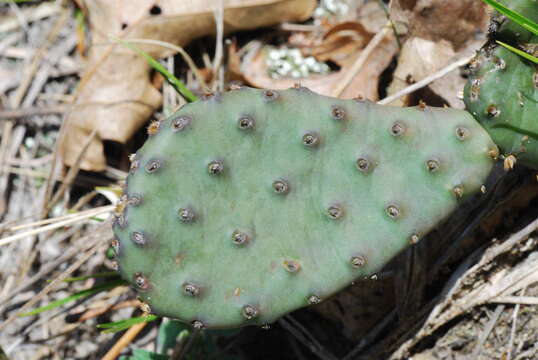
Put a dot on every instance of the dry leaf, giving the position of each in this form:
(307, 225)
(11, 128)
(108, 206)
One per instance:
(115, 95)
(340, 41)
(418, 59)
(454, 21)
(421, 58)
(343, 44)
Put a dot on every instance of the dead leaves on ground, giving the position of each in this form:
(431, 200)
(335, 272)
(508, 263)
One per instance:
(116, 96)
(435, 20)
(341, 44)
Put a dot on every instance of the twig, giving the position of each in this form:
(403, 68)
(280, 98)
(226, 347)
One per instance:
(217, 60)
(54, 56)
(425, 81)
(4, 144)
(448, 306)
(361, 60)
(80, 246)
(21, 19)
(82, 215)
(9, 40)
(513, 330)
(84, 200)
(71, 174)
(487, 330)
(44, 10)
(528, 354)
(27, 172)
(45, 221)
(523, 300)
(95, 242)
(124, 341)
(40, 54)
(50, 182)
(91, 313)
(299, 27)
(29, 162)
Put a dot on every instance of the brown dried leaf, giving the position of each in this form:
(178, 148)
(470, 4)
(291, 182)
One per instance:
(364, 83)
(343, 44)
(420, 58)
(454, 21)
(115, 95)
(341, 41)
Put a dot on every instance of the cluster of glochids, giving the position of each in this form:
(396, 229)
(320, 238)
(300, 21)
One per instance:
(235, 187)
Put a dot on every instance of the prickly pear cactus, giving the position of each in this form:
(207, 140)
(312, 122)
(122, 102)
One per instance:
(502, 91)
(245, 206)
(508, 30)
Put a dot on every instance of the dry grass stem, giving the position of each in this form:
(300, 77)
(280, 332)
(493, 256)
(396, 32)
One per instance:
(520, 300)
(47, 268)
(217, 60)
(124, 341)
(80, 216)
(458, 300)
(427, 80)
(94, 243)
(41, 11)
(174, 48)
(49, 220)
(71, 174)
(487, 330)
(30, 71)
(32, 111)
(28, 172)
(361, 60)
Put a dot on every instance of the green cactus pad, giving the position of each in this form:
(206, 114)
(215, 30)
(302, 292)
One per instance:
(244, 206)
(508, 30)
(502, 90)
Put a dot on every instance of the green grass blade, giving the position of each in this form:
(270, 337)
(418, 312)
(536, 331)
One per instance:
(170, 78)
(125, 324)
(103, 274)
(75, 296)
(514, 16)
(519, 52)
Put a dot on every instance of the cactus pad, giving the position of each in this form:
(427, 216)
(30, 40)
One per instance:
(502, 91)
(244, 206)
(508, 30)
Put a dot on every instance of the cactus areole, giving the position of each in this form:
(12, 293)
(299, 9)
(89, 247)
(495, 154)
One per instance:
(245, 206)
(502, 91)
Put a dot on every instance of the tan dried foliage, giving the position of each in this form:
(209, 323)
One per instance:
(116, 96)
(343, 44)
(454, 21)
(420, 58)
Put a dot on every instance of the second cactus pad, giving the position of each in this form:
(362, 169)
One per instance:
(502, 90)
(244, 206)
(502, 93)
